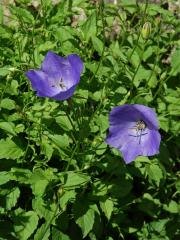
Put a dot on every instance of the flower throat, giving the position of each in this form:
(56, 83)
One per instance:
(139, 127)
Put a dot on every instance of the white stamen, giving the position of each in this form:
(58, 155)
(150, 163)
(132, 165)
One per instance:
(139, 127)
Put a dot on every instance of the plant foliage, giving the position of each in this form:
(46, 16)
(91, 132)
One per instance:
(58, 178)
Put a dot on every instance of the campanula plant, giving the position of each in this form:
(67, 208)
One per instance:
(58, 77)
(134, 131)
(58, 177)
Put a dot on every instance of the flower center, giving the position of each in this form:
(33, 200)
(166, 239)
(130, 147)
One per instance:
(59, 84)
(139, 127)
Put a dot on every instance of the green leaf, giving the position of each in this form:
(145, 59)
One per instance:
(47, 211)
(101, 148)
(61, 141)
(13, 88)
(175, 62)
(89, 27)
(40, 179)
(107, 207)
(58, 235)
(10, 150)
(148, 53)
(99, 188)
(84, 216)
(46, 46)
(4, 71)
(66, 197)
(7, 104)
(103, 122)
(20, 175)
(23, 14)
(149, 205)
(46, 148)
(72, 179)
(44, 210)
(172, 207)
(25, 223)
(8, 127)
(19, 128)
(130, 5)
(12, 197)
(164, 123)
(63, 121)
(42, 233)
(98, 45)
(64, 33)
(144, 74)
(4, 177)
(135, 58)
(159, 226)
(9, 197)
(154, 172)
(81, 96)
(120, 187)
(4, 33)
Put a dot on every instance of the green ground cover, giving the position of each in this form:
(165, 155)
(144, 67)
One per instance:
(59, 180)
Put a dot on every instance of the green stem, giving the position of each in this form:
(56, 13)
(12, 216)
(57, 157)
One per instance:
(101, 8)
(160, 87)
(136, 71)
(72, 155)
(99, 105)
(139, 34)
(50, 221)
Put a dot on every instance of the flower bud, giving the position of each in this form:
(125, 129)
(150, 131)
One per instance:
(146, 30)
(60, 191)
(98, 140)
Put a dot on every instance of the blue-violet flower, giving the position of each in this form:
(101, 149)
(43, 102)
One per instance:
(58, 77)
(134, 131)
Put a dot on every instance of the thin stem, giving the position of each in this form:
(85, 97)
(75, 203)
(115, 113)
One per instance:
(72, 155)
(139, 34)
(136, 71)
(73, 126)
(43, 13)
(100, 104)
(161, 85)
(155, 63)
(101, 8)
(50, 221)
(71, 122)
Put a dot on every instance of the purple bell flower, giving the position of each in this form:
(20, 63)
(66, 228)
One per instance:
(134, 131)
(58, 77)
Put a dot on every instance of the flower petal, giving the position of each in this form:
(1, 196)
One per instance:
(57, 77)
(69, 76)
(40, 83)
(128, 145)
(131, 150)
(53, 63)
(134, 112)
(151, 143)
(71, 73)
(148, 115)
(123, 114)
(68, 68)
(118, 135)
(76, 63)
(130, 141)
(66, 94)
